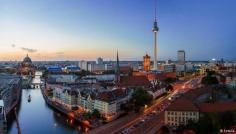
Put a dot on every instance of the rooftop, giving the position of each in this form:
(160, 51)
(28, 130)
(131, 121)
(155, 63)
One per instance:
(182, 104)
(111, 95)
(135, 81)
(217, 107)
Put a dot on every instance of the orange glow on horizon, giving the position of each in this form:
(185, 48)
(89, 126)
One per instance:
(82, 54)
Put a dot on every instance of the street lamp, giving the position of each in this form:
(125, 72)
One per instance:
(145, 106)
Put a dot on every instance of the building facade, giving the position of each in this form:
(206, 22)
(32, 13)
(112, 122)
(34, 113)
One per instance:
(83, 65)
(181, 57)
(146, 63)
(87, 96)
(180, 112)
(26, 67)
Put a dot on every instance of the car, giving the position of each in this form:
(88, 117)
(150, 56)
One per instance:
(132, 128)
(125, 131)
(136, 125)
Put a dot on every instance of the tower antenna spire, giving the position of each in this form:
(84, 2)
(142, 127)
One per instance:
(155, 4)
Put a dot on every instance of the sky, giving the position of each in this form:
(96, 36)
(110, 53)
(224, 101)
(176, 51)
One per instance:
(87, 29)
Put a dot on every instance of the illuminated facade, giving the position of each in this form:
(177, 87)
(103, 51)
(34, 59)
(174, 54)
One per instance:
(146, 62)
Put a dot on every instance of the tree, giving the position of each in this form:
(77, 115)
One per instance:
(87, 115)
(209, 80)
(45, 73)
(191, 125)
(210, 73)
(82, 73)
(109, 72)
(96, 113)
(169, 87)
(226, 119)
(170, 80)
(128, 106)
(165, 130)
(141, 97)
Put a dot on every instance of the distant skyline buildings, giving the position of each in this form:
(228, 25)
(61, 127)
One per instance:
(79, 29)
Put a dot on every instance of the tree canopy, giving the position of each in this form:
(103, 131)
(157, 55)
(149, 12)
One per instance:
(96, 113)
(209, 80)
(141, 97)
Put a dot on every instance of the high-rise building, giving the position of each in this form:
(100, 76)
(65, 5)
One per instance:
(155, 29)
(146, 62)
(181, 57)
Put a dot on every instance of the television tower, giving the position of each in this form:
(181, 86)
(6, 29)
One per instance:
(155, 29)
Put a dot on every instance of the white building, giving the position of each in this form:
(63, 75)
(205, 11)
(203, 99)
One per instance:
(189, 67)
(63, 78)
(108, 103)
(83, 65)
(96, 67)
(180, 112)
(167, 68)
(36, 82)
(157, 93)
(65, 96)
(103, 77)
(180, 68)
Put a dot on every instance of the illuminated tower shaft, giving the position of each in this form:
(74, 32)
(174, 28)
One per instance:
(155, 30)
(155, 51)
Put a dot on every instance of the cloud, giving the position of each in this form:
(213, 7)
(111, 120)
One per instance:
(60, 53)
(13, 45)
(29, 50)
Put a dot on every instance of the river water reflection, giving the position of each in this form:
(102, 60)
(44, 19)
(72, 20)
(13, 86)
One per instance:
(36, 117)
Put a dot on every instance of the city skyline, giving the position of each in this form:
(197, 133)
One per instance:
(77, 30)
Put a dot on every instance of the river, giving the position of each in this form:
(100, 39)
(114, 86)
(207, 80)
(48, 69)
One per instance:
(36, 117)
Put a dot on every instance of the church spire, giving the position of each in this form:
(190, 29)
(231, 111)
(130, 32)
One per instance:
(117, 69)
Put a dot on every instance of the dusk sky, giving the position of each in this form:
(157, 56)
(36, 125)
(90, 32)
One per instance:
(87, 29)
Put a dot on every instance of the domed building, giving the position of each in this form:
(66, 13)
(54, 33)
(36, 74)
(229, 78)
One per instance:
(26, 67)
